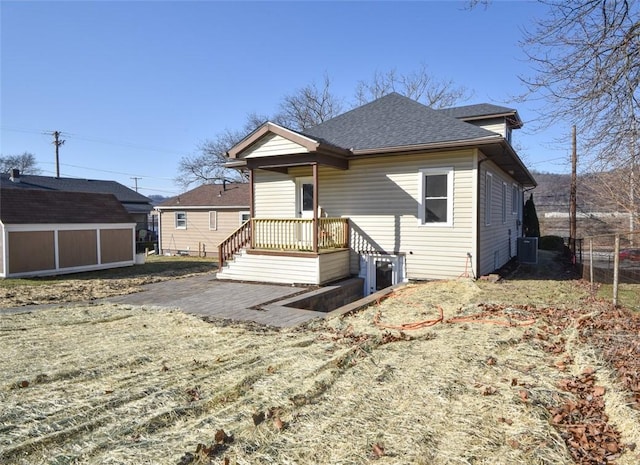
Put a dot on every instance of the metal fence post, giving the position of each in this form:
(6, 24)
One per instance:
(591, 264)
(616, 269)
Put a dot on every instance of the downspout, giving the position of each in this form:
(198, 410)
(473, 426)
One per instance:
(159, 232)
(478, 218)
(251, 209)
(315, 207)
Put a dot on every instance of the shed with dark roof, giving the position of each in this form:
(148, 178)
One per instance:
(54, 232)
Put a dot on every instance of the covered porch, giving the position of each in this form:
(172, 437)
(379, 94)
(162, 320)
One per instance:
(298, 243)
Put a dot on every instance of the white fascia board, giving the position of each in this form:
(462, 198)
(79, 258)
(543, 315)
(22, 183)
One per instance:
(203, 207)
(67, 226)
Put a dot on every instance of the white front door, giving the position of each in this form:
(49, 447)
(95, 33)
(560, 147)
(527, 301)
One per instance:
(304, 197)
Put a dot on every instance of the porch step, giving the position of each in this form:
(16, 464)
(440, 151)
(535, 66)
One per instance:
(286, 269)
(248, 267)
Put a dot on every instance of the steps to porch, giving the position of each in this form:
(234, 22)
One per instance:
(287, 267)
(287, 251)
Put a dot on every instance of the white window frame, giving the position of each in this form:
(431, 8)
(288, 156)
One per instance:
(179, 220)
(213, 220)
(422, 176)
(514, 199)
(241, 214)
(504, 202)
(488, 197)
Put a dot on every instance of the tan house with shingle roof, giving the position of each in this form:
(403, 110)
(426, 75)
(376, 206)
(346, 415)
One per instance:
(194, 223)
(55, 232)
(389, 191)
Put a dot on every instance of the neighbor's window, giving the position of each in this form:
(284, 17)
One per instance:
(488, 194)
(213, 220)
(181, 220)
(436, 196)
(244, 217)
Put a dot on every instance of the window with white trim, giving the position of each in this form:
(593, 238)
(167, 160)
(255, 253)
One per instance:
(244, 217)
(514, 199)
(436, 196)
(504, 202)
(213, 220)
(181, 220)
(488, 193)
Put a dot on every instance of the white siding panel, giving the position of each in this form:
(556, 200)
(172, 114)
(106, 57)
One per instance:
(497, 125)
(272, 269)
(380, 196)
(273, 144)
(275, 195)
(497, 240)
(334, 266)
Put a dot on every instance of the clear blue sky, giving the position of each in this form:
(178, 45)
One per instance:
(133, 86)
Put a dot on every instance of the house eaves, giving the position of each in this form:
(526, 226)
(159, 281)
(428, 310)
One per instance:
(310, 144)
(202, 207)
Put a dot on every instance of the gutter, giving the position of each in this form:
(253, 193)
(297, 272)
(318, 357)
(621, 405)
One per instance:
(431, 146)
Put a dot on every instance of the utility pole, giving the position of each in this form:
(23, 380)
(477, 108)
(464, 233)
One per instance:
(135, 180)
(57, 142)
(573, 194)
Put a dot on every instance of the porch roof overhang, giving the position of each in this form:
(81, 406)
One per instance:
(316, 151)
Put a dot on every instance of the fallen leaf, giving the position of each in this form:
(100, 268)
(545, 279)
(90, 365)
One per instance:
(524, 395)
(378, 450)
(258, 418)
(598, 390)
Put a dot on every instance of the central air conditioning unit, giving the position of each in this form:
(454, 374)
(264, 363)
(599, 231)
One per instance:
(528, 250)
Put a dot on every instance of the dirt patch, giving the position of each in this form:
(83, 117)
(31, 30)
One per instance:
(499, 379)
(85, 287)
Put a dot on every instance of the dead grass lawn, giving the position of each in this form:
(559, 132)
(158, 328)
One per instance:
(120, 385)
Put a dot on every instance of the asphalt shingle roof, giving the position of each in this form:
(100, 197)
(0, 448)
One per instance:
(477, 110)
(394, 121)
(38, 206)
(133, 201)
(212, 195)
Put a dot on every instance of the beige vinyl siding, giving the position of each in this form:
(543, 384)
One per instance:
(288, 269)
(274, 144)
(497, 245)
(275, 195)
(380, 196)
(497, 125)
(333, 266)
(197, 232)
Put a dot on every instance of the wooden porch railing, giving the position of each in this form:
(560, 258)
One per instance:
(234, 243)
(297, 233)
(287, 234)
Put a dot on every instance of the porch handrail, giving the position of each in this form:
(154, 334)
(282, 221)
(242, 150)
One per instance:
(285, 234)
(297, 233)
(234, 243)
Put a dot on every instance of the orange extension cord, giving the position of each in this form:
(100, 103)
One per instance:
(466, 319)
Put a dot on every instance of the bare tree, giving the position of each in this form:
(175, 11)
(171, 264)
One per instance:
(308, 106)
(207, 166)
(586, 59)
(25, 162)
(418, 85)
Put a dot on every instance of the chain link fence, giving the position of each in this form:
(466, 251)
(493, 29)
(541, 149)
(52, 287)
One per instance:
(611, 259)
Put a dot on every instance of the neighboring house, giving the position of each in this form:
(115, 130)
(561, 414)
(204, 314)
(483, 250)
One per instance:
(136, 204)
(55, 232)
(194, 223)
(390, 191)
